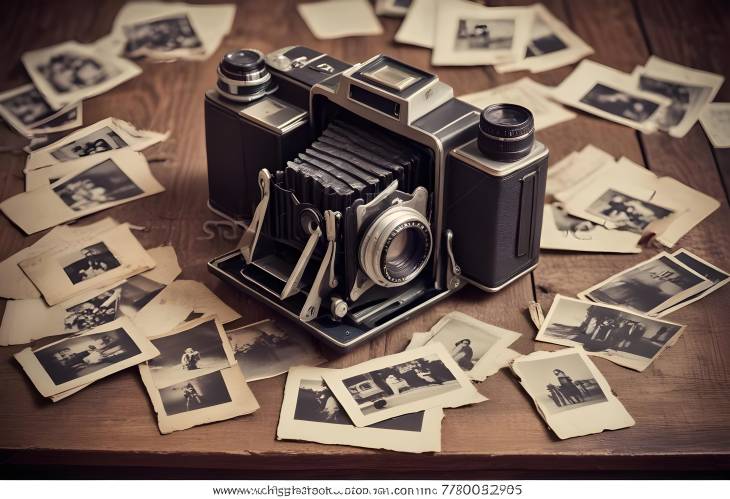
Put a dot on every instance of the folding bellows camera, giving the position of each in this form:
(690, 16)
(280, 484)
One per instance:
(368, 192)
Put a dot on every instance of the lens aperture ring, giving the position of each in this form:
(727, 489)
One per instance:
(413, 266)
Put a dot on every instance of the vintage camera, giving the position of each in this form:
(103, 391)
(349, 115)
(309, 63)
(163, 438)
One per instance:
(367, 191)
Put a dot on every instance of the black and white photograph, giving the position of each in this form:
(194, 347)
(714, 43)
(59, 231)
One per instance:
(473, 344)
(489, 34)
(88, 262)
(102, 140)
(681, 96)
(268, 348)
(570, 393)
(544, 40)
(311, 412)
(98, 310)
(195, 393)
(98, 185)
(627, 212)
(402, 383)
(194, 349)
(714, 275)
(70, 72)
(620, 103)
(80, 359)
(27, 111)
(626, 338)
(167, 34)
(649, 287)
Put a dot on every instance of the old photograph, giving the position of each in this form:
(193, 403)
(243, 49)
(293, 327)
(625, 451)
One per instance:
(474, 345)
(418, 26)
(88, 262)
(70, 72)
(627, 212)
(470, 34)
(310, 412)
(193, 349)
(196, 393)
(393, 385)
(268, 348)
(165, 35)
(567, 175)
(710, 272)
(623, 337)
(570, 393)
(94, 263)
(81, 359)
(102, 140)
(27, 111)
(100, 183)
(649, 287)
(620, 103)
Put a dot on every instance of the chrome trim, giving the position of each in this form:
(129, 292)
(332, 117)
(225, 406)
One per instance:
(501, 286)
(496, 168)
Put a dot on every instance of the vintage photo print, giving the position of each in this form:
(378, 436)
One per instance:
(102, 137)
(418, 26)
(650, 287)
(200, 399)
(552, 44)
(562, 231)
(162, 37)
(623, 337)
(27, 111)
(476, 347)
(334, 19)
(567, 176)
(310, 412)
(570, 393)
(717, 276)
(390, 386)
(193, 349)
(612, 95)
(472, 35)
(71, 72)
(627, 212)
(81, 359)
(88, 264)
(268, 348)
(122, 177)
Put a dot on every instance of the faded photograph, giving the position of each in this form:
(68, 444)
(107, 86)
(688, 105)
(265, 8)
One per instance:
(161, 35)
(576, 227)
(681, 95)
(102, 140)
(627, 212)
(88, 262)
(197, 393)
(80, 356)
(28, 107)
(102, 183)
(619, 103)
(187, 354)
(401, 384)
(69, 71)
(708, 272)
(484, 34)
(543, 41)
(560, 384)
(316, 403)
(466, 343)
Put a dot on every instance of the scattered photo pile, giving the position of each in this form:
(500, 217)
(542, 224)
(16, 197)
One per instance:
(29, 113)
(657, 96)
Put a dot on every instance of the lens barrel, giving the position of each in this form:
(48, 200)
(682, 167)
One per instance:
(243, 76)
(506, 132)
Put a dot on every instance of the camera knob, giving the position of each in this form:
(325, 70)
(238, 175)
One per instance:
(338, 307)
(506, 132)
(243, 76)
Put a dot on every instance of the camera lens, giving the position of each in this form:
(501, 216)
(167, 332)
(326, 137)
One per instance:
(243, 76)
(396, 246)
(506, 132)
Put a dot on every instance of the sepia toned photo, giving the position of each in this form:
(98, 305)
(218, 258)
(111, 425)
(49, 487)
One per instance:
(196, 393)
(167, 34)
(570, 393)
(649, 287)
(102, 140)
(620, 103)
(393, 385)
(626, 212)
(27, 111)
(484, 34)
(81, 359)
(88, 262)
(100, 184)
(311, 412)
(710, 272)
(628, 339)
(267, 348)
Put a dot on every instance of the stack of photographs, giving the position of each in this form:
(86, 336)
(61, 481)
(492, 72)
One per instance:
(606, 205)
(195, 380)
(660, 285)
(657, 96)
(29, 113)
(393, 402)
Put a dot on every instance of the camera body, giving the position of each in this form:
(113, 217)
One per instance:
(364, 189)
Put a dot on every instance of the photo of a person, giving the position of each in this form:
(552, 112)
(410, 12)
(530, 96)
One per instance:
(627, 212)
(161, 35)
(191, 396)
(100, 184)
(463, 354)
(190, 359)
(195, 394)
(68, 71)
(88, 262)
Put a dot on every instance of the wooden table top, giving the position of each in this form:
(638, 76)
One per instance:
(680, 403)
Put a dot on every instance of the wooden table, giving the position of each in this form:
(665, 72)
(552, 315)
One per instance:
(680, 403)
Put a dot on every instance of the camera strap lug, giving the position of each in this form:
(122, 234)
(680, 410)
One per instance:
(453, 271)
(251, 236)
(325, 281)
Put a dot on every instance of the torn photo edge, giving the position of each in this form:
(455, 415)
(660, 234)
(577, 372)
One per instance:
(426, 439)
(595, 418)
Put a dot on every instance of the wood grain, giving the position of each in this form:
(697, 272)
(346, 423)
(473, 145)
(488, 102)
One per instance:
(680, 404)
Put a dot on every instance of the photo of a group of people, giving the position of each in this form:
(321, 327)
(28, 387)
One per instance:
(100, 184)
(102, 140)
(627, 212)
(88, 262)
(69, 71)
(161, 35)
(79, 356)
(28, 106)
